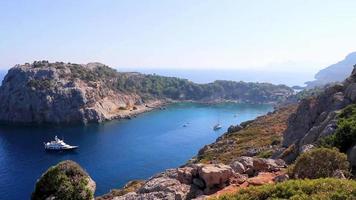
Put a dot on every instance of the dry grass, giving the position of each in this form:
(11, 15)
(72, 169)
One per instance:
(261, 133)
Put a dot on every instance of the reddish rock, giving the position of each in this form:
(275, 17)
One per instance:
(215, 175)
(261, 179)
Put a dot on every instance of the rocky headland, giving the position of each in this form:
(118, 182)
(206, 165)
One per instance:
(43, 92)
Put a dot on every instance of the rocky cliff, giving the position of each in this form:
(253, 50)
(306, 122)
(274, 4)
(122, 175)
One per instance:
(44, 92)
(317, 118)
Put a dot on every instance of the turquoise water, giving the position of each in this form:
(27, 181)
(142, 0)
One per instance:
(117, 151)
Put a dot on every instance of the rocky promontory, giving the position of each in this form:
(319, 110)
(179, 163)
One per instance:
(44, 92)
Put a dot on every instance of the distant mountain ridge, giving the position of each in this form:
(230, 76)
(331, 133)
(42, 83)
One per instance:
(334, 73)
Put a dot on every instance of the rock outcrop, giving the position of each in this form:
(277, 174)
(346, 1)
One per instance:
(316, 117)
(201, 180)
(62, 93)
(67, 180)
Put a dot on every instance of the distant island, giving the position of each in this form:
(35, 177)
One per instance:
(44, 92)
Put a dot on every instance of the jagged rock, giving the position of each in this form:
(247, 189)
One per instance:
(306, 148)
(186, 174)
(238, 178)
(238, 167)
(324, 121)
(247, 162)
(268, 165)
(233, 128)
(252, 166)
(351, 92)
(64, 181)
(165, 185)
(148, 196)
(352, 156)
(313, 116)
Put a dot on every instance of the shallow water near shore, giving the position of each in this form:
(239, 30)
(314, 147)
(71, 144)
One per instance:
(116, 152)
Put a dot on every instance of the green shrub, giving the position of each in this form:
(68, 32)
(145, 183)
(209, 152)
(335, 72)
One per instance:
(345, 134)
(318, 189)
(65, 181)
(41, 84)
(320, 163)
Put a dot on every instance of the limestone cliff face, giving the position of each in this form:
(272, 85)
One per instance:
(45, 92)
(316, 117)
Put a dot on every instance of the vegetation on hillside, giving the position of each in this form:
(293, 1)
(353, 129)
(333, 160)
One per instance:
(345, 134)
(320, 163)
(131, 186)
(154, 86)
(333, 189)
(259, 134)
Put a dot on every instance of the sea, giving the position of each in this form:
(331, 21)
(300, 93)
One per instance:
(116, 152)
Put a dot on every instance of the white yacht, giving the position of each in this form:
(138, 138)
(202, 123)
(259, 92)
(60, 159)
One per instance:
(217, 127)
(58, 144)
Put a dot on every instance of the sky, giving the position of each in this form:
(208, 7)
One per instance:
(272, 35)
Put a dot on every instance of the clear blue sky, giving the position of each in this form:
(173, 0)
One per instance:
(198, 34)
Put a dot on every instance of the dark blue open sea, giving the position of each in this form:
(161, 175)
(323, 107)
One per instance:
(117, 151)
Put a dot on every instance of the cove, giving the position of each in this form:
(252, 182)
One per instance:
(116, 152)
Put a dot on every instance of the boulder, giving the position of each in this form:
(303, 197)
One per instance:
(215, 175)
(251, 165)
(238, 167)
(148, 196)
(186, 174)
(164, 187)
(267, 165)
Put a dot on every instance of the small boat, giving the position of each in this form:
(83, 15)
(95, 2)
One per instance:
(217, 127)
(58, 144)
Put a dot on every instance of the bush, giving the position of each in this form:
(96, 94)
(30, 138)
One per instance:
(65, 181)
(320, 163)
(345, 134)
(335, 189)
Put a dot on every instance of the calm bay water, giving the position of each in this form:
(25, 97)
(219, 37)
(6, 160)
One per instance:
(117, 151)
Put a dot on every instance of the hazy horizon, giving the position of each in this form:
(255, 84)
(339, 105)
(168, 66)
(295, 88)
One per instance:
(282, 42)
(179, 34)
